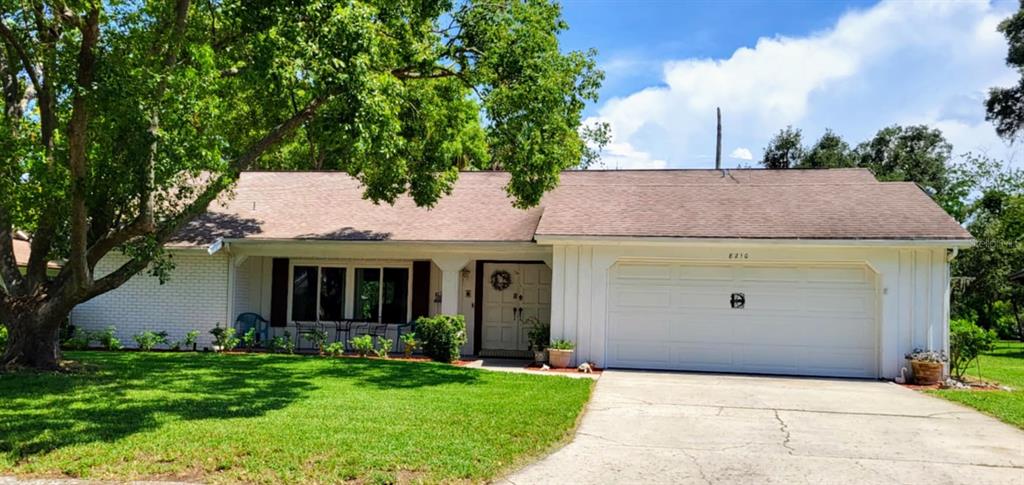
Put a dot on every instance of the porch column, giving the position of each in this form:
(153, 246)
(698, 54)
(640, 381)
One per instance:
(451, 273)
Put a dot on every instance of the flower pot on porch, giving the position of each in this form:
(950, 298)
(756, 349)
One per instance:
(559, 359)
(926, 373)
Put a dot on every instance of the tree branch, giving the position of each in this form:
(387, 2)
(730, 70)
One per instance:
(12, 279)
(245, 161)
(77, 152)
(26, 62)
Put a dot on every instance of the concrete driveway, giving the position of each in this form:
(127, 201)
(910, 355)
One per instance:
(647, 427)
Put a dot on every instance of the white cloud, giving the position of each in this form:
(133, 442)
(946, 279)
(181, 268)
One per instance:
(896, 62)
(742, 154)
(624, 156)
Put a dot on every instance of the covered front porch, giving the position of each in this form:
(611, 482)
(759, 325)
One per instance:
(351, 288)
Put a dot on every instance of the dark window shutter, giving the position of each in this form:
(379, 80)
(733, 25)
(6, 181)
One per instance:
(279, 293)
(420, 289)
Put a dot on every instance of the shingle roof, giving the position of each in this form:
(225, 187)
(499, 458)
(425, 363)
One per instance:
(23, 250)
(758, 204)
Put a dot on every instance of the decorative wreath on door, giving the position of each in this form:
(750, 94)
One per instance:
(500, 280)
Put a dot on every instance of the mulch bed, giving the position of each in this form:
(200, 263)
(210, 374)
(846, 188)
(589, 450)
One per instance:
(974, 386)
(568, 370)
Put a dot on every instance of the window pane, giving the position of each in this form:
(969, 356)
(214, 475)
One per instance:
(304, 294)
(396, 295)
(332, 294)
(367, 294)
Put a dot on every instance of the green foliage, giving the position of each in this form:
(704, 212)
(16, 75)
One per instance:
(224, 337)
(191, 337)
(785, 150)
(362, 345)
(335, 349)
(80, 339)
(283, 344)
(830, 151)
(1005, 106)
(539, 334)
(249, 339)
(383, 347)
(908, 153)
(318, 337)
(442, 336)
(108, 340)
(409, 344)
(560, 344)
(148, 340)
(966, 342)
(3, 338)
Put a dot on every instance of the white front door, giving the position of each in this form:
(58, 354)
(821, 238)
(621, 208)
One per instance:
(506, 312)
(813, 319)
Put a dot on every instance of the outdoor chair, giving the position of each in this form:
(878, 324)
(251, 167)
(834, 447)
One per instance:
(249, 320)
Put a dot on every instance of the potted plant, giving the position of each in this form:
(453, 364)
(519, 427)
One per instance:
(539, 336)
(927, 366)
(560, 353)
(410, 344)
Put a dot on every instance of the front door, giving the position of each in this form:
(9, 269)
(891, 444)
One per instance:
(513, 293)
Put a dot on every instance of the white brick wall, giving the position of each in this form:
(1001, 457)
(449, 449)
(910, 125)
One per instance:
(195, 298)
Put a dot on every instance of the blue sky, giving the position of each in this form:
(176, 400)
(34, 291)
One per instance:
(852, 66)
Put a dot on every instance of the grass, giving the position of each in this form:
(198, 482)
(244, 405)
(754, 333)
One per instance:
(1004, 365)
(279, 419)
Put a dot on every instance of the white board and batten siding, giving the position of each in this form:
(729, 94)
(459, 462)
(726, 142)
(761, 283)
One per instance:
(831, 311)
(194, 298)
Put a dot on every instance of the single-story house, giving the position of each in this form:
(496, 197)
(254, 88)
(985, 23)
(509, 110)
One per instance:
(805, 272)
(23, 251)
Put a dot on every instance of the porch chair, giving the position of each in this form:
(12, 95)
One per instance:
(249, 320)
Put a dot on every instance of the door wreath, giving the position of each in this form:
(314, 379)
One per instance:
(500, 280)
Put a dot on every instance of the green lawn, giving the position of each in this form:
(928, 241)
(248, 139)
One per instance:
(279, 418)
(1004, 365)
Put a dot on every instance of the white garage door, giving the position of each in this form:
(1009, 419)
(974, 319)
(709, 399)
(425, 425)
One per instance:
(804, 320)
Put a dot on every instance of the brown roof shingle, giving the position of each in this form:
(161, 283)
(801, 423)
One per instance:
(757, 204)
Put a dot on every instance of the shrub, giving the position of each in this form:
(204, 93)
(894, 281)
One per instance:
(148, 340)
(224, 337)
(563, 345)
(318, 337)
(539, 334)
(442, 336)
(410, 344)
(336, 349)
(362, 345)
(3, 338)
(283, 344)
(108, 340)
(966, 342)
(383, 347)
(249, 338)
(80, 339)
(191, 338)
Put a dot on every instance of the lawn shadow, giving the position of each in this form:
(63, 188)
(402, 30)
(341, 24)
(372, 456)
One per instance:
(391, 374)
(40, 413)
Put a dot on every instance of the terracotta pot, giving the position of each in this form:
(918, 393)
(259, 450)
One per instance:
(926, 373)
(559, 359)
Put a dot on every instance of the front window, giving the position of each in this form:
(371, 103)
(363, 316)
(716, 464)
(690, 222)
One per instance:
(380, 294)
(318, 294)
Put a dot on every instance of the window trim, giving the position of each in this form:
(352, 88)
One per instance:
(350, 266)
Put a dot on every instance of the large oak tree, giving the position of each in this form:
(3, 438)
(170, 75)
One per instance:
(123, 120)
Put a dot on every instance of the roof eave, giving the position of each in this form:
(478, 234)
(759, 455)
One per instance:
(553, 239)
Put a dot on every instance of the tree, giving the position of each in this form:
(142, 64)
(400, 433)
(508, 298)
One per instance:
(830, 151)
(785, 150)
(123, 120)
(908, 153)
(1005, 106)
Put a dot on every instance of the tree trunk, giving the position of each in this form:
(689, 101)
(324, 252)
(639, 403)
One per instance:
(32, 341)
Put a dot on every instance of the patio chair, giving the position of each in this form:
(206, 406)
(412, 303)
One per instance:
(249, 320)
(343, 332)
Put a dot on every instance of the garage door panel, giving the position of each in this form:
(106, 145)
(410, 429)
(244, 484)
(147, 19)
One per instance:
(803, 320)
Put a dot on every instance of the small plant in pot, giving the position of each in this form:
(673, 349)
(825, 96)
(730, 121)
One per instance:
(410, 344)
(539, 336)
(927, 366)
(560, 353)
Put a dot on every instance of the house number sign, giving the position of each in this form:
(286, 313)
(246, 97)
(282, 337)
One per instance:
(739, 255)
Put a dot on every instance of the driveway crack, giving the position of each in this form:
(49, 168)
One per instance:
(785, 432)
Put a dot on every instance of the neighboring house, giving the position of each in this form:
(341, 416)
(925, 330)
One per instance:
(23, 250)
(816, 272)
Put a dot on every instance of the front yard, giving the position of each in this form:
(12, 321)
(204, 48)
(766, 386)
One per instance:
(279, 418)
(1004, 365)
